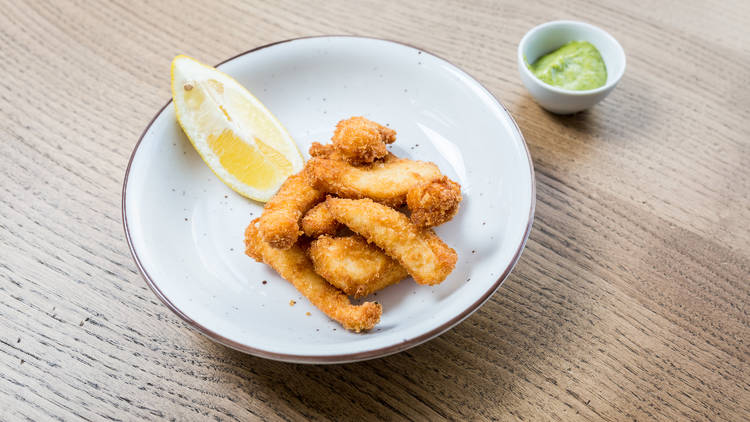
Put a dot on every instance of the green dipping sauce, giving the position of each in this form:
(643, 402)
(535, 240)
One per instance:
(577, 66)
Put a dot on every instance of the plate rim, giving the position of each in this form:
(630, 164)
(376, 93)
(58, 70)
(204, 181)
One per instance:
(346, 357)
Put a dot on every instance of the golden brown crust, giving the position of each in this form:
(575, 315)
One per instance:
(293, 265)
(419, 250)
(353, 265)
(279, 223)
(362, 141)
(325, 151)
(435, 202)
(319, 221)
(387, 246)
(386, 181)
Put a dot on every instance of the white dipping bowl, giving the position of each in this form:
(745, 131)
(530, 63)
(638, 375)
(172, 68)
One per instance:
(549, 37)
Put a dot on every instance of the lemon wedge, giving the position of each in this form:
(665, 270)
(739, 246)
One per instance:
(238, 138)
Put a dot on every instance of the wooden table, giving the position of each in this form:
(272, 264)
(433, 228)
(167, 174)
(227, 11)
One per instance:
(630, 301)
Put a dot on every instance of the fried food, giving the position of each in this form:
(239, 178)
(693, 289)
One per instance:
(279, 223)
(293, 265)
(386, 245)
(362, 141)
(324, 151)
(435, 202)
(420, 251)
(386, 181)
(319, 221)
(353, 265)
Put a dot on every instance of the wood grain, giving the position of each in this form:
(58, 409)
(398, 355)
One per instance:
(629, 303)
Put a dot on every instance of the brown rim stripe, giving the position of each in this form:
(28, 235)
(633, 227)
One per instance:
(343, 358)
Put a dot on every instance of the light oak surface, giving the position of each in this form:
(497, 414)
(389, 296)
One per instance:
(630, 301)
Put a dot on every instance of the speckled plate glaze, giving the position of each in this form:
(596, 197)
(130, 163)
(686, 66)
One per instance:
(185, 227)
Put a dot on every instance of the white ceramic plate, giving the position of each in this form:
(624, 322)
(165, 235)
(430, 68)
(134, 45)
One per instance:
(185, 227)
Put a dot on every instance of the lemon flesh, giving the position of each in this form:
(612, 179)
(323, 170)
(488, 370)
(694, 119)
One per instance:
(237, 137)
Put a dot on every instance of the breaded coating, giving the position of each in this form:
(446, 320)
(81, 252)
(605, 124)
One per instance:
(419, 250)
(293, 265)
(362, 141)
(319, 221)
(386, 181)
(279, 223)
(325, 151)
(435, 202)
(353, 265)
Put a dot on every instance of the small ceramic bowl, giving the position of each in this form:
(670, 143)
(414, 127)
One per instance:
(553, 35)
